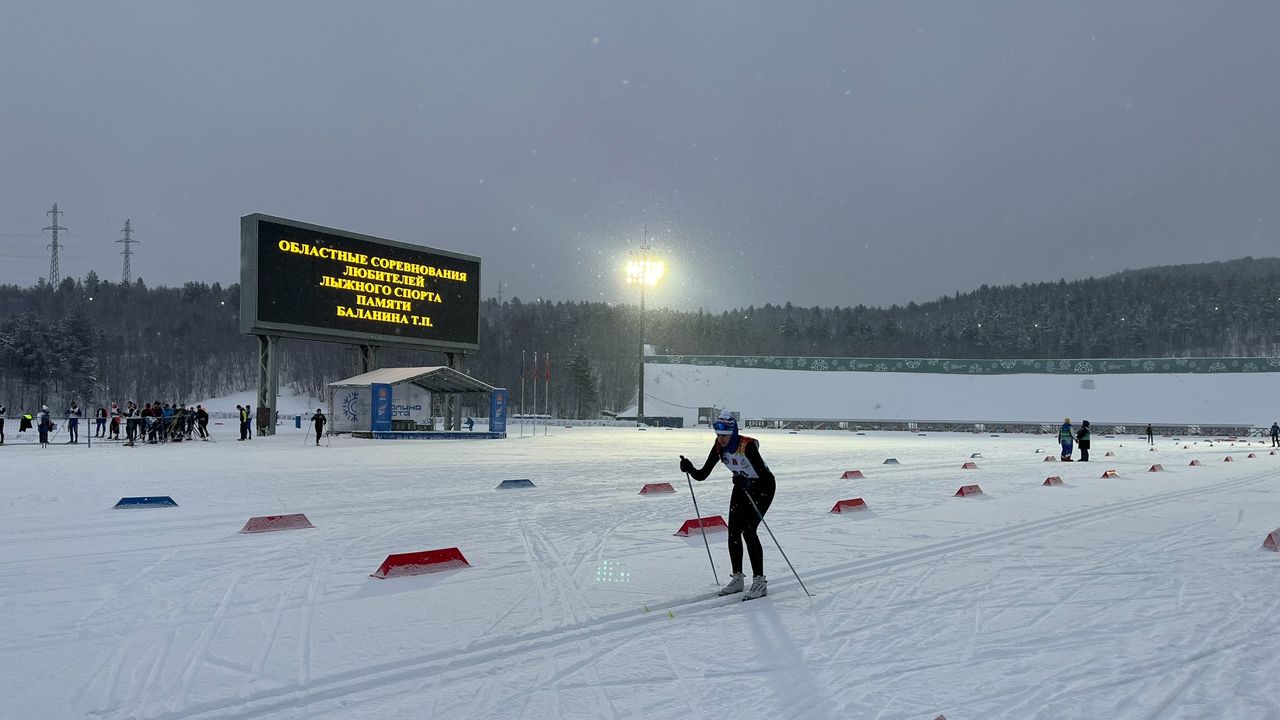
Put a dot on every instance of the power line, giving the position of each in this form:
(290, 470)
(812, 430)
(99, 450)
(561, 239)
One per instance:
(53, 258)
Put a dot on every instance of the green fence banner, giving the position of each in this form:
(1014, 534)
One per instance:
(954, 366)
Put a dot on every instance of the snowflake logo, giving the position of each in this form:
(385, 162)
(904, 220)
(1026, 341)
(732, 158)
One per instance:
(1149, 365)
(1274, 361)
(677, 359)
(913, 364)
(819, 364)
(788, 363)
(1251, 367)
(802, 363)
(975, 368)
(1084, 367)
(750, 361)
(1217, 367)
(881, 367)
(349, 404)
(1008, 364)
(933, 361)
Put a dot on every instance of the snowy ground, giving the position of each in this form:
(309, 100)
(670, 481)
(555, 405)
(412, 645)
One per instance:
(1144, 596)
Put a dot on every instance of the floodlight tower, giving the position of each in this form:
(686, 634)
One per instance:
(644, 270)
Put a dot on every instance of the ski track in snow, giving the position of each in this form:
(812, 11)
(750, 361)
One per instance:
(1129, 598)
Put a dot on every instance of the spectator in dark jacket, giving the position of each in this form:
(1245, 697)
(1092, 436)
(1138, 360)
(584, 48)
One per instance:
(1082, 439)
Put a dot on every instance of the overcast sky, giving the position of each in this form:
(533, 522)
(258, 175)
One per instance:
(819, 153)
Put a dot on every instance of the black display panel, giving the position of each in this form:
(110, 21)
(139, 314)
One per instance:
(321, 283)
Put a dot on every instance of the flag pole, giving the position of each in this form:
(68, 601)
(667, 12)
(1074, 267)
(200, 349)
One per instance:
(522, 393)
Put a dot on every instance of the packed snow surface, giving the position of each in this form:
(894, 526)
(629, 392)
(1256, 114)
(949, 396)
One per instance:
(1142, 596)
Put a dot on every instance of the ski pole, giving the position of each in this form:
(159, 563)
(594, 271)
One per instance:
(775, 542)
(689, 479)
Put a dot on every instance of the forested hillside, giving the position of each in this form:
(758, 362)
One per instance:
(99, 341)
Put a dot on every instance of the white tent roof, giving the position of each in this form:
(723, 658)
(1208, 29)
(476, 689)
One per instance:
(434, 378)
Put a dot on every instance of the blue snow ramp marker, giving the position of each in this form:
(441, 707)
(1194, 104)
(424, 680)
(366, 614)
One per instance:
(145, 502)
(508, 484)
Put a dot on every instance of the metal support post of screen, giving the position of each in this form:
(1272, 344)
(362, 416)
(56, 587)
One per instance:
(268, 378)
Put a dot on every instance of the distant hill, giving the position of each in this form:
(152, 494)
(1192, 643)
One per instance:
(97, 341)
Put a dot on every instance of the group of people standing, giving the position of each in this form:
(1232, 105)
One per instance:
(1079, 437)
(152, 423)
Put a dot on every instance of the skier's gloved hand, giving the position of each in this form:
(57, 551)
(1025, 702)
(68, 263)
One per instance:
(742, 482)
(686, 466)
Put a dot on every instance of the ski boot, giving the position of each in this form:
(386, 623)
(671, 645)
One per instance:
(734, 586)
(759, 588)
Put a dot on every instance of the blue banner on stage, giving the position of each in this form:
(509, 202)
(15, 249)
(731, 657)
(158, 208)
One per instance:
(498, 410)
(380, 417)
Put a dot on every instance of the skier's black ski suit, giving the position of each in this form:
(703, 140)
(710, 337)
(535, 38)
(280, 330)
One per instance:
(743, 521)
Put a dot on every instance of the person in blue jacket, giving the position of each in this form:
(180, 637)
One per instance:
(1067, 438)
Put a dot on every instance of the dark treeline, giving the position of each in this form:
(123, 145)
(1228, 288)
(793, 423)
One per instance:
(97, 341)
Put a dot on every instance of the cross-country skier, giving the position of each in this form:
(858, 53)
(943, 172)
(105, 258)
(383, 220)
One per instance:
(319, 420)
(751, 478)
(1275, 430)
(1151, 436)
(1066, 438)
(3, 410)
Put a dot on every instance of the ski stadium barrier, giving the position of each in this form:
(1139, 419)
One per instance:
(850, 505)
(419, 563)
(271, 523)
(145, 502)
(691, 527)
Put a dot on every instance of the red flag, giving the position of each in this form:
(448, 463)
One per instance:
(548, 373)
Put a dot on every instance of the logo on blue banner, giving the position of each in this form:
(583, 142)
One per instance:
(381, 415)
(498, 410)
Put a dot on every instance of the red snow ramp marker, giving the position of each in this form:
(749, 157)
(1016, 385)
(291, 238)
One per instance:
(1050, 458)
(418, 563)
(967, 490)
(1193, 463)
(1110, 474)
(1156, 468)
(1110, 454)
(1052, 480)
(1273, 541)
(690, 527)
(969, 466)
(651, 488)
(1227, 459)
(270, 523)
(849, 505)
(851, 474)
